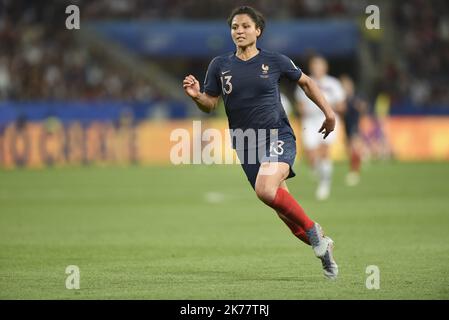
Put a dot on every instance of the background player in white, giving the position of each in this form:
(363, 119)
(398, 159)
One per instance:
(316, 149)
(286, 104)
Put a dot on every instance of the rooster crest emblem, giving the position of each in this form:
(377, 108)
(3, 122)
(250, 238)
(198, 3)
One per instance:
(265, 69)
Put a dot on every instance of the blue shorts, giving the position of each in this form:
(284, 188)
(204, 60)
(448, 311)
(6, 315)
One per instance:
(282, 150)
(351, 126)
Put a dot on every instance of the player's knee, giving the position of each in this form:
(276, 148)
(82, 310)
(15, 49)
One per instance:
(265, 192)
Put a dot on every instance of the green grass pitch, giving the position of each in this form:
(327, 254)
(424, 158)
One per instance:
(198, 232)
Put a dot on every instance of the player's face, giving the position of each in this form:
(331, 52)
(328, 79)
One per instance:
(243, 30)
(347, 85)
(318, 67)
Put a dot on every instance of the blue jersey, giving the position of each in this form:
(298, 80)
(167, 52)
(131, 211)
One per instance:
(250, 89)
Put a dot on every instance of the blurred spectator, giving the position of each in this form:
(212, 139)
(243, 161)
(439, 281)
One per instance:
(422, 73)
(41, 60)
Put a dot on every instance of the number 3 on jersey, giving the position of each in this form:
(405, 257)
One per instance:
(226, 84)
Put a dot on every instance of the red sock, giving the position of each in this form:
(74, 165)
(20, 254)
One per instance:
(355, 161)
(301, 235)
(296, 230)
(287, 205)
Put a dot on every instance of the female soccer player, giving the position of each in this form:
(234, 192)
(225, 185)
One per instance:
(317, 150)
(355, 107)
(248, 80)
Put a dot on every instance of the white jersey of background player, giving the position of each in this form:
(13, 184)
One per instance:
(286, 104)
(317, 149)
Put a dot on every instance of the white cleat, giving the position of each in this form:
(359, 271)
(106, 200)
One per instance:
(330, 267)
(317, 240)
(323, 249)
(323, 191)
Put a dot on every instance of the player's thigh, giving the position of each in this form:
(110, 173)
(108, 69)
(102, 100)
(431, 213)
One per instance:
(269, 178)
(272, 173)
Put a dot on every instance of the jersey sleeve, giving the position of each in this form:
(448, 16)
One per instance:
(288, 68)
(211, 81)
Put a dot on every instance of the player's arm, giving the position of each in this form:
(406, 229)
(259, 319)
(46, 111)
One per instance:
(205, 102)
(313, 92)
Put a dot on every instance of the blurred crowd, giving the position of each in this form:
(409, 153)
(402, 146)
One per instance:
(206, 9)
(422, 73)
(39, 59)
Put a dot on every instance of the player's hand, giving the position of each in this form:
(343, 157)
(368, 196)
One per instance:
(191, 86)
(328, 126)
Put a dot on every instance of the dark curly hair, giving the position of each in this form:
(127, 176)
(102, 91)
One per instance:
(255, 15)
